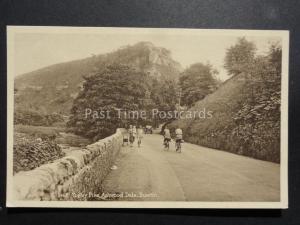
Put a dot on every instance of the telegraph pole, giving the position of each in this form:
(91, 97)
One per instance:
(179, 100)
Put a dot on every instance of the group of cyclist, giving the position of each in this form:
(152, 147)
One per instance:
(133, 133)
(178, 138)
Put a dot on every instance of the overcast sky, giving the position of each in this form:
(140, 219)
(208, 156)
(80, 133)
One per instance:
(36, 50)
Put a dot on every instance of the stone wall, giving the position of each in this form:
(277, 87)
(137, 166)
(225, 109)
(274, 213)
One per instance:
(77, 176)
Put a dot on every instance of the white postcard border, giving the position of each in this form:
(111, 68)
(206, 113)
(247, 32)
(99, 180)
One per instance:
(10, 202)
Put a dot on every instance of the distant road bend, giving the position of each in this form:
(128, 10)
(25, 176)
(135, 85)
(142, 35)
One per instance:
(197, 174)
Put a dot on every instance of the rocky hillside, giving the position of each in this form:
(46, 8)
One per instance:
(52, 89)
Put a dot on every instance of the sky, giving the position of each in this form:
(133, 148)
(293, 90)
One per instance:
(33, 51)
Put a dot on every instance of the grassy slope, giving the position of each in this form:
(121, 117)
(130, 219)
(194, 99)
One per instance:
(217, 131)
(51, 98)
(60, 134)
(44, 90)
(227, 97)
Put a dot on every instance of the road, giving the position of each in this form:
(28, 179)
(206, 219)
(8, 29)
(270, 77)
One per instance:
(197, 174)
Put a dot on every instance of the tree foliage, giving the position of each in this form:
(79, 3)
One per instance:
(164, 94)
(239, 56)
(196, 82)
(246, 111)
(258, 119)
(118, 87)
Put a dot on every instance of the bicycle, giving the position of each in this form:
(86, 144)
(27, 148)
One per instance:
(131, 139)
(166, 143)
(178, 146)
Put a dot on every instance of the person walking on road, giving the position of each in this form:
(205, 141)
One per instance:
(131, 135)
(140, 134)
(134, 131)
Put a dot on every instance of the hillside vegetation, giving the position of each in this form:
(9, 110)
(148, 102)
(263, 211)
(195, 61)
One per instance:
(108, 96)
(53, 89)
(33, 147)
(37, 118)
(246, 111)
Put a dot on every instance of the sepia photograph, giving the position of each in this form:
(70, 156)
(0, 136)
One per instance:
(147, 117)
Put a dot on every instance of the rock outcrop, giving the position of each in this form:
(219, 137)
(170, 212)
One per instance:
(52, 89)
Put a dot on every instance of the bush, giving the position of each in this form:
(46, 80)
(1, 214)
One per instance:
(30, 153)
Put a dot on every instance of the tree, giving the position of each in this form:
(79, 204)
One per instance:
(116, 89)
(258, 119)
(239, 56)
(196, 82)
(164, 96)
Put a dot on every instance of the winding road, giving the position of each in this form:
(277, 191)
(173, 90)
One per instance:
(197, 174)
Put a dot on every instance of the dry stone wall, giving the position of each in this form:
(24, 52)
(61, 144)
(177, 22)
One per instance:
(77, 176)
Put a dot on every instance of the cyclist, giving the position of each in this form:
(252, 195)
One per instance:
(178, 139)
(167, 137)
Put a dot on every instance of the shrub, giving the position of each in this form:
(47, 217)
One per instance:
(30, 153)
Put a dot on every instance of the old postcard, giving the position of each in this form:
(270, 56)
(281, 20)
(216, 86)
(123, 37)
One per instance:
(147, 117)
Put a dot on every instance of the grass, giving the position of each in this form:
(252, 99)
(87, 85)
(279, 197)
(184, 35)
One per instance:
(38, 131)
(72, 140)
(58, 133)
